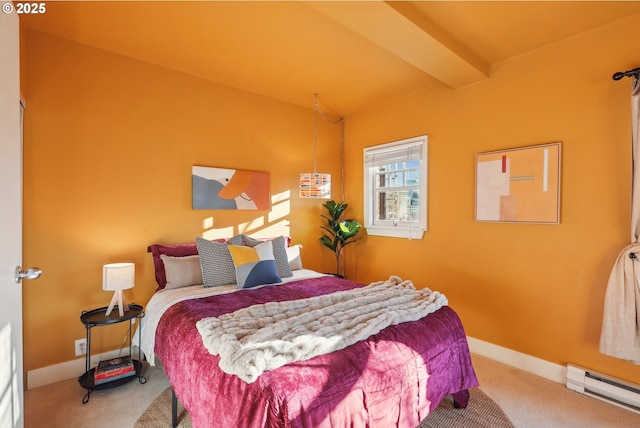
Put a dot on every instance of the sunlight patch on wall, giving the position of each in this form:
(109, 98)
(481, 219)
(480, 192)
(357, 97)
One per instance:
(225, 232)
(275, 229)
(207, 223)
(281, 197)
(280, 207)
(274, 223)
(255, 224)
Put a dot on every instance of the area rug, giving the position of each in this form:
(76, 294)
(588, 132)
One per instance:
(482, 412)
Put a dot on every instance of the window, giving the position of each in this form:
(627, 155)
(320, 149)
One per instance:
(395, 188)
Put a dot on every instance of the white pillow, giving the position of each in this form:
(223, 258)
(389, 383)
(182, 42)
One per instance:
(182, 271)
(293, 256)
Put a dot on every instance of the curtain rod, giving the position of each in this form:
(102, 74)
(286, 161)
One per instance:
(630, 73)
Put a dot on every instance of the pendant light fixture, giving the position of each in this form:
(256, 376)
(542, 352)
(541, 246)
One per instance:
(315, 185)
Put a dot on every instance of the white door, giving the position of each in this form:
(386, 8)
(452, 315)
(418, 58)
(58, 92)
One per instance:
(11, 389)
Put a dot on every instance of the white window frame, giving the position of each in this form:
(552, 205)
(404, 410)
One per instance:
(395, 152)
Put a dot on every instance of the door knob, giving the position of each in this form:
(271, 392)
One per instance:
(30, 273)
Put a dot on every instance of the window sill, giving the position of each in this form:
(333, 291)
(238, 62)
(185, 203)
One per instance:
(396, 232)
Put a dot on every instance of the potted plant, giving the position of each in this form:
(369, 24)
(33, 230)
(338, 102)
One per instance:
(339, 233)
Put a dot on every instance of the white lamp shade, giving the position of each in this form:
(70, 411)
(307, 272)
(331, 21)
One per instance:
(118, 276)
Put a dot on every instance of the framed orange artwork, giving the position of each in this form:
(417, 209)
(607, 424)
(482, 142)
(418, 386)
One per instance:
(229, 189)
(520, 185)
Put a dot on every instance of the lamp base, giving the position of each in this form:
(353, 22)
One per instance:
(118, 298)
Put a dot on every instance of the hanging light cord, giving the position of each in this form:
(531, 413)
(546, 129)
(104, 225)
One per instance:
(342, 159)
(317, 109)
(315, 134)
(326, 119)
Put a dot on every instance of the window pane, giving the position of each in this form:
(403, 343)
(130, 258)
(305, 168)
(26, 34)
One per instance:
(413, 164)
(391, 176)
(413, 177)
(390, 179)
(402, 206)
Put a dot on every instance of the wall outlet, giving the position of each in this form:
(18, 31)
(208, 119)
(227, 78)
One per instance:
(81, 347)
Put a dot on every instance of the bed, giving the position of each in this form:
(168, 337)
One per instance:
(392, 378)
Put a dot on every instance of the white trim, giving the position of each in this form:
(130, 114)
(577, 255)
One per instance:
(396, 232)
(555, 372)
(67, 370)
(534, 365)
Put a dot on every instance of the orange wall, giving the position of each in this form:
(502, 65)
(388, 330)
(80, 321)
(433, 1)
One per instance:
(109, 143)
(109, 146)
(536, 289)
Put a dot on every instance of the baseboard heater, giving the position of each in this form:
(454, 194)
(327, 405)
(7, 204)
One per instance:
(605, 388)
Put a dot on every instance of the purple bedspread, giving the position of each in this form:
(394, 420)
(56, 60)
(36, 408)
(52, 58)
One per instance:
(393, 379)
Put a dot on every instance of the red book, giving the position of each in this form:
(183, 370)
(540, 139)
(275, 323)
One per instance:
(113, 374)
(111, 379)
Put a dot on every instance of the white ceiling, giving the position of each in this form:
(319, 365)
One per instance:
(353, 54)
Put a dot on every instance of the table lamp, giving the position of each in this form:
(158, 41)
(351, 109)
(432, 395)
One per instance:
(117, 277)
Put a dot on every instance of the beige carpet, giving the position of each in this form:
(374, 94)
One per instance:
(482, 412)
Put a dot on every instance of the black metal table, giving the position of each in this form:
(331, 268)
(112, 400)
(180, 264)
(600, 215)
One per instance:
(97, 318)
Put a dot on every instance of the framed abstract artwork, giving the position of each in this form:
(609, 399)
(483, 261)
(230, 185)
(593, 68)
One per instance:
(229, 189)
(520, 185)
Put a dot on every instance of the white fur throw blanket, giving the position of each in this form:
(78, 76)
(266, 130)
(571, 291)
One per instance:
(267, 336)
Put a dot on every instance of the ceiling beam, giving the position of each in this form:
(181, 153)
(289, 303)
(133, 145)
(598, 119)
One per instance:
(401, 29)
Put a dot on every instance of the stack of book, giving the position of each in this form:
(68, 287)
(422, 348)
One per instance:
(113, 369)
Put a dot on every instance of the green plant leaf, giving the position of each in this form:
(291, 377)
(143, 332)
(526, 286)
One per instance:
(349, 228)
(328, 242)
(335, 209)
(339, 233)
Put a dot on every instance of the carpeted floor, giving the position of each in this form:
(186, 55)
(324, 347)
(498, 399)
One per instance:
(482, 412)
(528, 400)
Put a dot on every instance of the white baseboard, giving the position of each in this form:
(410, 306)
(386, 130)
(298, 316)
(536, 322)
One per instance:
(67, 370)
(537, 366)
